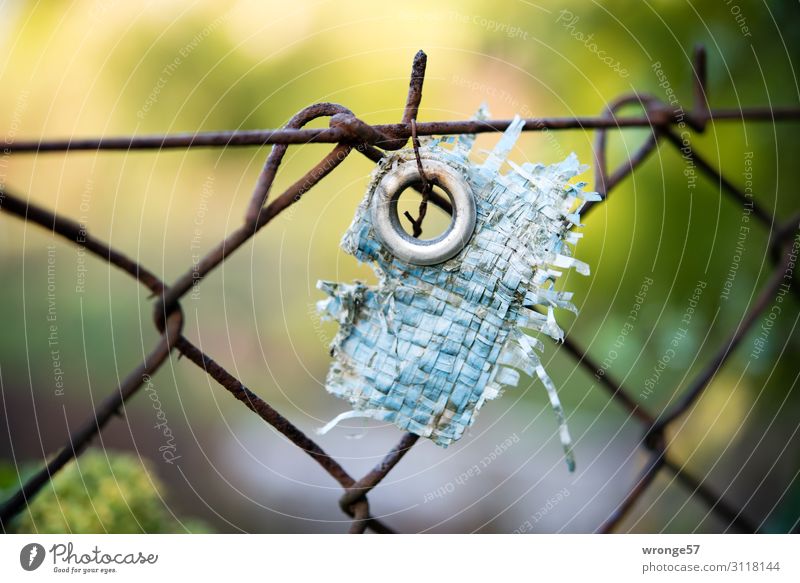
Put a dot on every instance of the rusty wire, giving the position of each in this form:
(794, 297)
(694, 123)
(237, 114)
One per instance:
(425, 186)
(351, 134)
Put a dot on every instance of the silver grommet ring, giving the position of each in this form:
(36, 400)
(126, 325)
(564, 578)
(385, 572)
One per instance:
(386, 221)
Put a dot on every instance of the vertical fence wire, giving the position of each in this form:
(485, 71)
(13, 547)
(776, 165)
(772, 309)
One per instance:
(349, 134)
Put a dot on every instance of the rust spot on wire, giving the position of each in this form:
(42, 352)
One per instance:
(351, 134)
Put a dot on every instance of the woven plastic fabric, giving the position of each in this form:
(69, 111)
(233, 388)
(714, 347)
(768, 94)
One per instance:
(427, 346)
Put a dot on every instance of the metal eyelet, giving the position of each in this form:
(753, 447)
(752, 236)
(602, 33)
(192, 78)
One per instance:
(386, 221)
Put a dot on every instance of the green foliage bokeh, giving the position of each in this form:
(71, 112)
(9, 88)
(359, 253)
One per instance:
(102, 492)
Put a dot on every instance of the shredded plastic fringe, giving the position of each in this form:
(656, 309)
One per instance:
(427, 346)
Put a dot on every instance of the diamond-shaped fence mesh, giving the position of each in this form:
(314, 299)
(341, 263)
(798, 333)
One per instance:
(349, 134)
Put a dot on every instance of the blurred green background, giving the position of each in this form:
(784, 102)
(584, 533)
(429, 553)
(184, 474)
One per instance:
(116, 68)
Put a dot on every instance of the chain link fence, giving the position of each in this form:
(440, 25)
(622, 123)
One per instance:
(349, 134)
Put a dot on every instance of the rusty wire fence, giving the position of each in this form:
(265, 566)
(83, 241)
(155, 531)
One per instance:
(349, 134)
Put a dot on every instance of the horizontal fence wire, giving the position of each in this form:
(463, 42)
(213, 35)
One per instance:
(350, 134)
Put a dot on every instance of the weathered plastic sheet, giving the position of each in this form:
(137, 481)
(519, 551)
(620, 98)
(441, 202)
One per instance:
(427, 346)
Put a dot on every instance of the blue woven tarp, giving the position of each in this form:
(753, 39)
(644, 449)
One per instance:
(429, 344)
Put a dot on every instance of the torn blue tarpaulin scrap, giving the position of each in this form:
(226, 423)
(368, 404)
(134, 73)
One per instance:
(430, 343)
